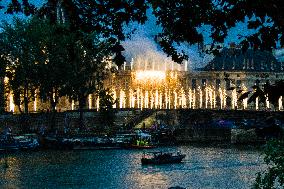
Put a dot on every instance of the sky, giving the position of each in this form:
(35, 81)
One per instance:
(142, 47)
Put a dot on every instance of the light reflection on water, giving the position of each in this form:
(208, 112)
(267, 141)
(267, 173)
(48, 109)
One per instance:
(203, 167)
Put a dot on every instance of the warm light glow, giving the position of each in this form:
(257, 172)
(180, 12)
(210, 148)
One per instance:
(280, 103)
(6, 80)
(72, 105)
(98, 103)
(256, 103)
(35, 105)
(163, 87)
(12, 105)
(90, 99)
(267, 102)
(150, 75)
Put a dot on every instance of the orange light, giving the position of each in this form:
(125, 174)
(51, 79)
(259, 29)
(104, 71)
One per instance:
(150, 75)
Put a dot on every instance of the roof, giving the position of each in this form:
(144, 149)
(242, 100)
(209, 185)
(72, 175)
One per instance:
(232, 59)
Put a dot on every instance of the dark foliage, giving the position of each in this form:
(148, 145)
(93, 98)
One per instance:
(103, 17)
(180, 19)
(244, 96)
(274, 176)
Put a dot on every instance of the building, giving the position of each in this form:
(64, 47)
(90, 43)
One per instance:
(218, 85)
(143, 84)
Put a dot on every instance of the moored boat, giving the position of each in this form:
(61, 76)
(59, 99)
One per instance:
(133, 146)
(157, 158)
(79, 143)
(18, 142)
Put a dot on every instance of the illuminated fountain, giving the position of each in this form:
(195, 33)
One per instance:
(122, 98)
(234, 99)
(245, 101)
(142, 84)
(155, 87)
(256, 103)
(280, 103)
(90, 99)
(11, 103)
(267, 102)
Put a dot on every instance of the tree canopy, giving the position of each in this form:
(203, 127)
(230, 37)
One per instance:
(273, 177)
(180, 19)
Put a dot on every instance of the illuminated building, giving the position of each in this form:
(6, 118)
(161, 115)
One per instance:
(218, 85)
(141, 85)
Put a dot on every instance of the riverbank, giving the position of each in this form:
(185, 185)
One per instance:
(181, 125)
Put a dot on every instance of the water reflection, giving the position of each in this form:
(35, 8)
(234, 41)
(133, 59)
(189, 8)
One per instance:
(9, 169)
(204, 167)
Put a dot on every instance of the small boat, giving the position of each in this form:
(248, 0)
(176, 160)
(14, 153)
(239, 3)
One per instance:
(19, 142)
(157, 158)
(133, 146)
(79, 143)
(141, 144)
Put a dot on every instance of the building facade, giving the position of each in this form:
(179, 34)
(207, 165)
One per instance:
(218, 85)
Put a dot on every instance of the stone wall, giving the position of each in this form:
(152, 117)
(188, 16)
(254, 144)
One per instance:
(227, 125)
(63, 120)
(188, 125)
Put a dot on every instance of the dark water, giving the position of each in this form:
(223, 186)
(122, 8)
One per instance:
(204, 167)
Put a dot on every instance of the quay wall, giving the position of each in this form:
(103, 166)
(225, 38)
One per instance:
(187, 125)
(235, 126)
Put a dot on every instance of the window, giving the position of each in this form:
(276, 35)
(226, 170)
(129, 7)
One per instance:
(218, 83)
(125, 84)
(193, 83)
(257, 82)
(203, 81)
(239, 83)
(228, 84)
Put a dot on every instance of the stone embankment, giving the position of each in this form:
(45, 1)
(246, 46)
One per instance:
(186, 125)
(233, 126)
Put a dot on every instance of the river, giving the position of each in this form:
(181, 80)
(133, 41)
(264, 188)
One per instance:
(204, 167)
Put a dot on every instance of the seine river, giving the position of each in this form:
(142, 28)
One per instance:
(203, 167)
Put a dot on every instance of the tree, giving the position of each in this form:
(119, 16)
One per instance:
(103, 17)
(264, 16)
(274, 176)
(89, 56)
(3, 66)
(272, 91)
(54, 63)
(181, 20)
(106, 110)
(21, 49)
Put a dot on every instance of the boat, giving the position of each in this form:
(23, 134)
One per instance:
(141, 144)
(157, 158)
(79, 143)
(18, 142)
(133, 146)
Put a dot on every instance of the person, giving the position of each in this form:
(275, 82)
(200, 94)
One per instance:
(67, 121)
(41, 130)
(7, 133)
